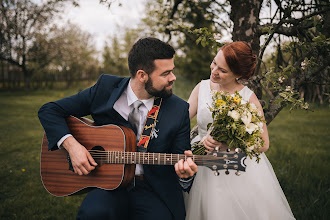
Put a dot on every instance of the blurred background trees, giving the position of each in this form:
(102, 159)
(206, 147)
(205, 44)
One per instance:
(290, 37)
(22, 22)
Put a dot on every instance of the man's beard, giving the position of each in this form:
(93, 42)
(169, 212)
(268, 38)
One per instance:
(162, 93)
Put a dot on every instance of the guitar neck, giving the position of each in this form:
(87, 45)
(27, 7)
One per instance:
(120, 157)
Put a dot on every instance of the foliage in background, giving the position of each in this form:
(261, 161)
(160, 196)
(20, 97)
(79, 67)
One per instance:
(63, 54)
(173, 22)
(21, 22)
(297, 28)
(115, 52)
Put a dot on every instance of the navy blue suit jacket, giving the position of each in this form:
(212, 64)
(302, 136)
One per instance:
(173, 127)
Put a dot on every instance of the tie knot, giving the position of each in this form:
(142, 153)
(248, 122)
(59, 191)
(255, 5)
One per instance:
(137, 104)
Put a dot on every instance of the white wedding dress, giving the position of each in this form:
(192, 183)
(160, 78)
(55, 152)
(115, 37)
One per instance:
(255, 195)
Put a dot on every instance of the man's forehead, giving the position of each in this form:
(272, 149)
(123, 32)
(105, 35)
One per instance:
(164, 63)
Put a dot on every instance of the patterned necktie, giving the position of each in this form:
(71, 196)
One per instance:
(134, 116)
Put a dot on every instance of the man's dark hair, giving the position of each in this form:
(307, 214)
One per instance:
(145, 51)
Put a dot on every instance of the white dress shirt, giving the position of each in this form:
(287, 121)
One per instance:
(124, 105)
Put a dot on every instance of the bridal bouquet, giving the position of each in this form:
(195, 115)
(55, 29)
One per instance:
(235, 122)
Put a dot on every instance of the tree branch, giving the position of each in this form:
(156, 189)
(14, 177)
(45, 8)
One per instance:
(11, 61)
(175, 8)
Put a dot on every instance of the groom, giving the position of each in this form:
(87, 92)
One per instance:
(156, 192)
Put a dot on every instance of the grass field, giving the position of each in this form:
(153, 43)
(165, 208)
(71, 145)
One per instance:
(299, 153)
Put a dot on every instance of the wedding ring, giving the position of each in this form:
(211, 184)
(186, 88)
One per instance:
(183, 172)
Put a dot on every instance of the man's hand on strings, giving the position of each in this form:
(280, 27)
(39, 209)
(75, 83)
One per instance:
(82, 161)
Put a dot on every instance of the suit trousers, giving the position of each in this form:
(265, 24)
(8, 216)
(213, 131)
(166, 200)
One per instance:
(137, 203)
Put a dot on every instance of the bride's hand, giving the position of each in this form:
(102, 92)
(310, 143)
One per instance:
(210, 144)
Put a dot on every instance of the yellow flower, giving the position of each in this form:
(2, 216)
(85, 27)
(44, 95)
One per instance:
(237, 99)
(220, 102)
(23, 170)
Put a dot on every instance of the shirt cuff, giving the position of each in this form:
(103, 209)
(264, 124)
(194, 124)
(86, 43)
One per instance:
(59, 143)
(185, 183)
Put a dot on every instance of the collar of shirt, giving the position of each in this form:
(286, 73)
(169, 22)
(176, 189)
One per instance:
(131, 98)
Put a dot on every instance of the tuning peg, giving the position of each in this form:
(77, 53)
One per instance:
(227, 172)
(216, 173)
(237, 173)
(238, 150)
(216, 149)
(228, 149)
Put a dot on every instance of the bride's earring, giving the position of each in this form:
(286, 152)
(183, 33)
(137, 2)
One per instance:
(237, 79)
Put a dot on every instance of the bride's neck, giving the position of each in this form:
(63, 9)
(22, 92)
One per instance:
(230, 88)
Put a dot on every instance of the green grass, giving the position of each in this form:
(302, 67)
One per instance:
(299, 153)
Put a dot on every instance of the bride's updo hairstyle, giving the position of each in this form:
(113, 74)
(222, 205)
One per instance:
(240, 59)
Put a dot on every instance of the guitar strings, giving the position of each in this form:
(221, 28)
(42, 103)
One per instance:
(126, 156)
(122, 154)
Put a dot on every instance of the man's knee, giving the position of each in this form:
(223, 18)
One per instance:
(101, 204)
(85, 213)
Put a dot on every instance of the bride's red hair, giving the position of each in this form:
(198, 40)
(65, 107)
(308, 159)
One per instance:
(240, 59)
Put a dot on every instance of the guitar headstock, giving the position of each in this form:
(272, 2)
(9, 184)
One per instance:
(225, 161)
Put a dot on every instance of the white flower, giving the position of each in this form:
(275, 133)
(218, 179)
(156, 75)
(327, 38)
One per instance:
(260, 125)
(250, 148)
(243, 102)
(250, 128)
(246, 118)
(259, 113)
(234, 114)
(303, 65)
(216, 36)
(253, 107)
(281, 79)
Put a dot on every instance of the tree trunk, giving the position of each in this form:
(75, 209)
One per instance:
(245, 16)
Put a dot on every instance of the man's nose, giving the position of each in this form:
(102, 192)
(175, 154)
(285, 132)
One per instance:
(172, 77)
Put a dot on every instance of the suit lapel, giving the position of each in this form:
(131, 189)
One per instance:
(116, 93)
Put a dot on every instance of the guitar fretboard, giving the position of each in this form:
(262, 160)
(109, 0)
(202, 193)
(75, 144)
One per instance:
(121, 157)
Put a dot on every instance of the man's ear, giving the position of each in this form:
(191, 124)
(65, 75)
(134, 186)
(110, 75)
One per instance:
(142, 76)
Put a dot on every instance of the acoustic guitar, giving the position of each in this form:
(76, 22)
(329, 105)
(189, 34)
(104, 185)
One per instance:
(113, 147)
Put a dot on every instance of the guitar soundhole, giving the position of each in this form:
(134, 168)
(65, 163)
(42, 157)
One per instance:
(98, 154)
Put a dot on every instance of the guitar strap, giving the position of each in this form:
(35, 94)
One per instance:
(149, 125)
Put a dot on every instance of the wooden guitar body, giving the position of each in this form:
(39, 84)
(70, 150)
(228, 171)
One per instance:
(59, 180)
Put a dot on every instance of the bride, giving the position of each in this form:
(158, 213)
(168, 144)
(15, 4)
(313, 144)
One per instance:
(256, 194)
